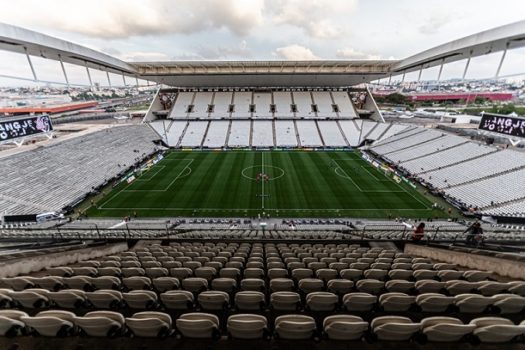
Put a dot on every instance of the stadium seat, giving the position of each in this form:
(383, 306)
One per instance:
(247, 326)
(359, 301)
(105, 298)
(177, 299)
(10, 322)
(344, 327)
(149, 324)
(249, 300)
(53, 323)
(496, 329)
(213, 300)
(101, 323)
(295, 327)
(394, 328)
(285, 301)
(445, 329)
(321, 301)
(198, 325)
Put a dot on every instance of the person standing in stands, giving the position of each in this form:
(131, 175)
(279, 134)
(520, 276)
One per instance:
(419, 232)
(474, 234)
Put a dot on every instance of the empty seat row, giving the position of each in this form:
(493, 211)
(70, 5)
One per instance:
(252, 326)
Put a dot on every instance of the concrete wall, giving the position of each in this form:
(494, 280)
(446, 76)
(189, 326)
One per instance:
(502, 267)
(30, 264)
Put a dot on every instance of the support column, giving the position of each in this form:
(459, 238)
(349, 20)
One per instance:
(89, 75)
(63, 69)
(31, 65)
(501, 61)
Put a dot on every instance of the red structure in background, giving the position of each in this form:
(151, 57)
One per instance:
(47, 109)
(452, 96)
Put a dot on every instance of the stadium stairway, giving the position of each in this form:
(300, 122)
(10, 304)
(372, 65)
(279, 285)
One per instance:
(205, 134)
(182, 135)
(342, 133)
(319, 132)
(297, 133)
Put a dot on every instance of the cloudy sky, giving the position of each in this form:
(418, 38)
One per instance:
(142, 30)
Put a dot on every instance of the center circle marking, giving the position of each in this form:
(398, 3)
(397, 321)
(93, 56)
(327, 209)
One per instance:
(243, 172)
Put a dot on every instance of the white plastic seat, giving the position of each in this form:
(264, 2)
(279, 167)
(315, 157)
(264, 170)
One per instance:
(489, 288)
(198, 325)
(31, 298)
(496, 329)
(295, 327)
(79, 282)
(224, 284)
(460, 287)
(213, 300)
(281, 284)
(424, 274)
(396, 301)
(445, 329)
(68, 298)
(149, 324)
(51, 323)
(400, 274)
(252, 284)
(344, 327)
(351, 274)
(140, 299)
(247, 326)
(472, 303)
(109, 271)
(309, 285)
(475, 275)
(517, 287)
(205, 272)
(359, 301)
(105, 298)
(321, 301)
(339, 286)
(101, 323)
(163, 284)
(283, 300)
(181, 272)
(10, 322)
(106, 282)
(369, 286)
(253, 272)
(277, 273)
(399, 286)
(376, 274)
(177, 299)
(154, 272)
(249, 300)
(299, 274)
(449, 275)
(50, 283)
(434, 302)
(394, 328)
(137, 282)
(429, 286)
(509, 303)
(195, 284)
(132, 271)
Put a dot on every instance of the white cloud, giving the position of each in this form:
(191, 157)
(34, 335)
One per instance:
(126, 18)
(315, 17)
(295, 52)
(350, 53)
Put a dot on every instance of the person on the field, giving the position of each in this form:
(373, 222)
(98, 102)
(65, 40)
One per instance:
(419, 232)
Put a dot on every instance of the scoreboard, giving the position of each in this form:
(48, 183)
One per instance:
(503, 124)
(11, 129)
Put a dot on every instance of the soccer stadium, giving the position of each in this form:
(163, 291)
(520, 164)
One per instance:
(260, 203)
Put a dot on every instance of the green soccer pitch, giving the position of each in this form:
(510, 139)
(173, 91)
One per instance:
(275, 183)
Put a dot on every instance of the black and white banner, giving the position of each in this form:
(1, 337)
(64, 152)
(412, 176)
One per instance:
(503, 125)
(22, 127)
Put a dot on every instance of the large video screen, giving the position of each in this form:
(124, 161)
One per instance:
(503, 125)
(22, 127)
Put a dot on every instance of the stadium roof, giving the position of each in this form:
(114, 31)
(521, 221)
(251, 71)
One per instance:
(262, 73)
